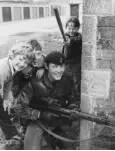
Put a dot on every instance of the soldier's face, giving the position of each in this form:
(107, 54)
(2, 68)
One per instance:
(55, 72)
(19, 62)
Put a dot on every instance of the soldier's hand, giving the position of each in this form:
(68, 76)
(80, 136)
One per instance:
(35, 114)
(73, 107)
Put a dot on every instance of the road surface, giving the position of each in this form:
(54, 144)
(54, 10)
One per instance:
(45, 30)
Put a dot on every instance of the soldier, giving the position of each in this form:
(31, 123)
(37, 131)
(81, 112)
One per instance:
(54, 86)
(19, 57)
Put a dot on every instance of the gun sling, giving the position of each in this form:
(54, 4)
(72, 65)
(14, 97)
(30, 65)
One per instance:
(55, 135)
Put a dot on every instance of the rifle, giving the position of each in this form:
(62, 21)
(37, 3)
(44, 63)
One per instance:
(75, 114)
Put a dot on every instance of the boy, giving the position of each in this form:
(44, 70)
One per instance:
(36, 68)
(19, 57)
(72, 50)
(54, 86)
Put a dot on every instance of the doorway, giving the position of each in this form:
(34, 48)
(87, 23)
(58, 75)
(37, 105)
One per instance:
(74, 10)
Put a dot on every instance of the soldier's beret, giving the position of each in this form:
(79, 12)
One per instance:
(55, 57)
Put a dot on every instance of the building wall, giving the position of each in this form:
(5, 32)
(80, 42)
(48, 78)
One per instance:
(98, 72)
(24, 11)
(36, 10)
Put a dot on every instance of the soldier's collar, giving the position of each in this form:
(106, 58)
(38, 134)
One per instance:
(46, 80)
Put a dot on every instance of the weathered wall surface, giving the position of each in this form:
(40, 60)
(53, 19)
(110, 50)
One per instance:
(98, 71)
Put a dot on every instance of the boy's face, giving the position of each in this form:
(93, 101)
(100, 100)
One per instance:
(55, 72)
(71, 29)
(19, 62)
(37, 59)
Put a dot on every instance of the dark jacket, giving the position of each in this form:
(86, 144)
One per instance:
(19, 81)
(33, 93)
(73, 50)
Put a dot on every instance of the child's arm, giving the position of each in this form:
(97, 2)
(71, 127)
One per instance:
(40, 70)
(1, 85)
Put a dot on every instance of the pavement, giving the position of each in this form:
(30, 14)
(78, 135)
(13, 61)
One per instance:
(48, 24)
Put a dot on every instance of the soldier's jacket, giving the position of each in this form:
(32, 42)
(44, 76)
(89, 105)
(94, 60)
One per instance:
(34, 92)
(6, 75)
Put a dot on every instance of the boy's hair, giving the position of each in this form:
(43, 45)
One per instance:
(22, 48)
(74, 20)
(35, 44)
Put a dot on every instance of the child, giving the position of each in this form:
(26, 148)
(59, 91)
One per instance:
(36, 68)
(72, 50)
(19, 57)
(73, 47)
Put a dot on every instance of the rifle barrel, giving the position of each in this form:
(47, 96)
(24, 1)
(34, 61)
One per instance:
(67, 113)
(85, 116)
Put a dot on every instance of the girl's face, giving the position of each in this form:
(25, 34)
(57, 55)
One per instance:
(19, 62)
(55, 72)
(71, 29)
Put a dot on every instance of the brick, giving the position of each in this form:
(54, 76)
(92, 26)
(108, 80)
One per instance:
(98, 7)
(107, 32)
(112, 96)
(106, 21)
(105, 43)
(113, 86)
(113, 43)
(103, 64)
(113, 66)
(113, 77)
(87, 49)
(97, 82)
(86, 103)
(108, 55)
(84, 87)
(98, 54)
(89, 28)
(87, 63)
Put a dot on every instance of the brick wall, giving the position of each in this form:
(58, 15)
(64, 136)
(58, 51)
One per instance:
(98, 72)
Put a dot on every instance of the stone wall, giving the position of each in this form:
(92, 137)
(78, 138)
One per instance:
(98, 72)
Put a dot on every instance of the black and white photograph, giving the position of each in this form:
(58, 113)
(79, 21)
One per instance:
(57, 74)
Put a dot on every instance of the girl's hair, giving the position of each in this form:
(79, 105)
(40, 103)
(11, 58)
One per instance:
(74, 20)
(22, 48)
(35, 44)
